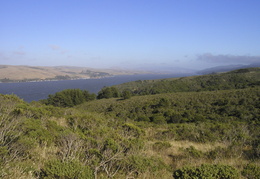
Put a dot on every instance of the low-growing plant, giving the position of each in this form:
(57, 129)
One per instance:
(207, 171)
(159, 146)
(251, 171)
(193, 152)
(70, 169)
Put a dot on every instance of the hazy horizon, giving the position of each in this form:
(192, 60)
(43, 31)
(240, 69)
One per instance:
(194, 34)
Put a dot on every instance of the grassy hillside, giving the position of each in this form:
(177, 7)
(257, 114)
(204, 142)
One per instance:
(224, 105)
(170, 135)
(31, 73)
(237, 79)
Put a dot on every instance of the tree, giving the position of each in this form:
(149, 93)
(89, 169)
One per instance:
(108, 92)
(69, 98)
(126, 94)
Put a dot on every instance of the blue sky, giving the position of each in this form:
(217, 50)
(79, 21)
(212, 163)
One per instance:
(129, 33)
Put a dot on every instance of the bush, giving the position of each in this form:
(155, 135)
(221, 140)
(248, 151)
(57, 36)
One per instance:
(193, 152)
(126, 94)
(108, 92)
(207, 171)
(132, 130)
(141, 164)
(143, 118)
(251, 171)
(72, 169)
(159, 146)
(69, 98)
(158, 119)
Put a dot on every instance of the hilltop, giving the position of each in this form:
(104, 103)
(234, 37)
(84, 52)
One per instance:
(10, 73)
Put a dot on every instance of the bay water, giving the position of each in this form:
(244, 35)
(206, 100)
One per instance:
(34, 91)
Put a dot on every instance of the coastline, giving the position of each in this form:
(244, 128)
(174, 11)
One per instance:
(52, 79)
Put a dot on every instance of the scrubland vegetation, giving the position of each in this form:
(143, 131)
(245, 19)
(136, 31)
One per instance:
(194, 127)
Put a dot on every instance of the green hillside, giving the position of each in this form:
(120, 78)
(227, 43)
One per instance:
(202, 133)
(214, 106)
(237, 79)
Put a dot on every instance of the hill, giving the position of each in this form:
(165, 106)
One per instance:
(186, 134)
(227, 68)
(10, 73)
(236, 79)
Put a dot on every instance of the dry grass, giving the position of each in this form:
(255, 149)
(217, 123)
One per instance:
(175, 156)
(18, 173)
(60, 121)
(17, 73)
(205, 147)
(45, 152)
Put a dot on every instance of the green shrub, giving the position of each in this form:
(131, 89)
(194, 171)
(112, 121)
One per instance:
(158, 119)
(159, 146)
(34, 128)
(126, 94)
(193, 152)
(251, 171)
(69, 170)
(141, 164)
(69, 98)
(108, 92)
(143, 118)
(207, 171)
(132, 130)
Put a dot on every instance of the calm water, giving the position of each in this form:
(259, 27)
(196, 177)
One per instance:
(34, 91)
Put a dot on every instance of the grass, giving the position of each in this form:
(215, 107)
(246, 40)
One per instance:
(30, 73)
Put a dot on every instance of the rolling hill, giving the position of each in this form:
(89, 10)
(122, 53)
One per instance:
(236, 79)
(10, 73)
(201, 133)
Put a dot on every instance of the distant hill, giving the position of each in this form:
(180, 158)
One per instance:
(237, 79)
(219, 69)
(10, 73)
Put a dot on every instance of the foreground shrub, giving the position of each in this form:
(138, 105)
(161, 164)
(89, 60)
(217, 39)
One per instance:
(139, 164)
(193, 152)
(207, 171)
(71, 169)
(160, 146)
(251, 171)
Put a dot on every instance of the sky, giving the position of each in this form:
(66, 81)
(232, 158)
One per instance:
(193, 34)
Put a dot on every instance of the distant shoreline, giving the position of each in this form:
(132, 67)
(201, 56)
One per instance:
(17, 74)
(44, 80)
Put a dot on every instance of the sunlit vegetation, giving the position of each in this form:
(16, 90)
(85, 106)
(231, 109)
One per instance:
(191, 134)
(69, 98)
(237, 79)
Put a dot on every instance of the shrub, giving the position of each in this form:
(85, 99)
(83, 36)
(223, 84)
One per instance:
(251, 171)
(69, 98)
(108, 92)
(132, 130)
(193, 152)
(71, 169)
(159, 146)
(141, 164)
(126, 94)
(143, 118)
(207, 171)
(158, 119)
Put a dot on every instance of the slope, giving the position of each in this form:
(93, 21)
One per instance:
(237, 79)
